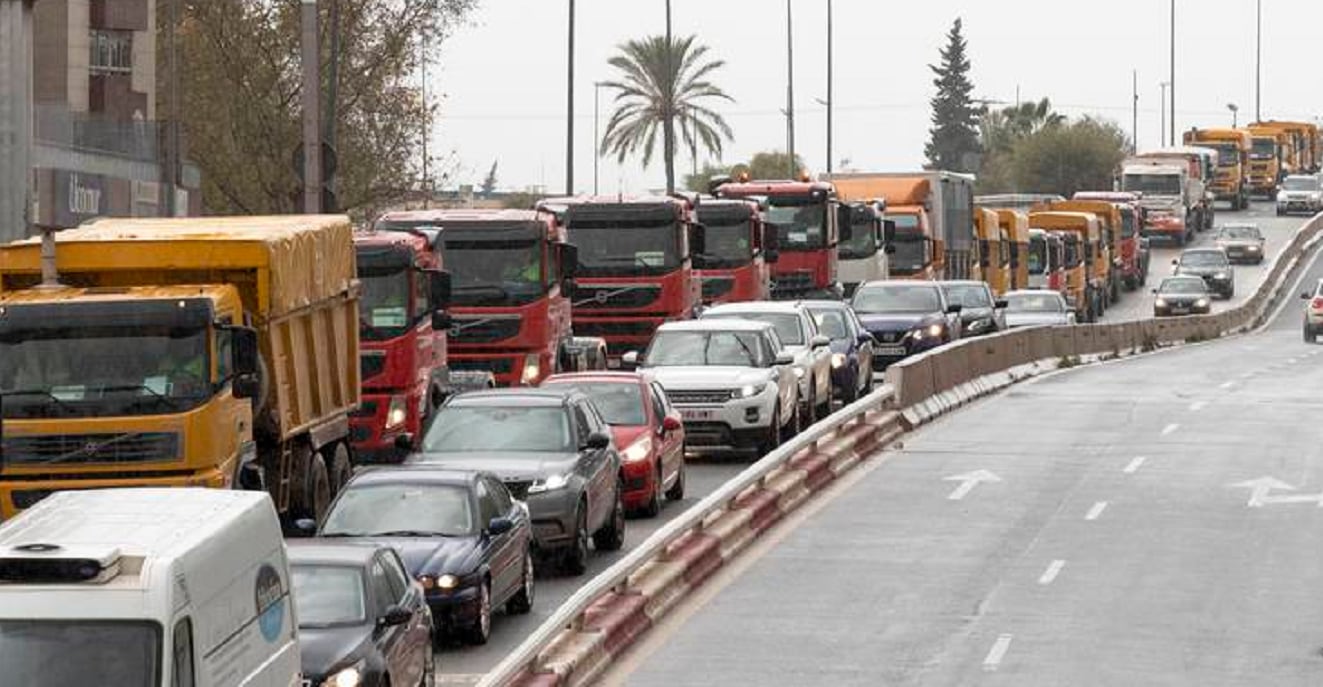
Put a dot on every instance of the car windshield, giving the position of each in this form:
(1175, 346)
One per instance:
(968, 295)
(788, 325)
(1034, 302)
(620, 403)
(383, 307)
(725, 245)
(1154, 184)
(1299, 184)
(1190, 286)
(800, 222)
(328, 595)
(1203, 258)
(514, 429)
(1037, 255)
(59, 653)
(675, 349)
(627, 250)
(376, 509)
(897, 298)
(831, 323)
(1238, 233)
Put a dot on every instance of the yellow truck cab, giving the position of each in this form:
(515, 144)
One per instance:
(215, 352)
(993, 256)
(1302, 144)
(1233, 148)
(1015, 236)
(1272, 157)
(1109, 224)
(1086, 271)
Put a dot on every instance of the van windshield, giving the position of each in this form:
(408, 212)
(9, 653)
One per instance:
(57, 653)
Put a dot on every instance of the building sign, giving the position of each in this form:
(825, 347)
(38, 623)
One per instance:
(69, 198)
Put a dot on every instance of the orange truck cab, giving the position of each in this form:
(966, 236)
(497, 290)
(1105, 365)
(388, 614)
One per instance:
(1233, 148)
(736, 263)
(804, 216)
(1110, 224)
(1132, 257)
(1015, 236)
(1085, 261)
(1272, 157)
(513, 277)
(992, 264)
(1303, 144)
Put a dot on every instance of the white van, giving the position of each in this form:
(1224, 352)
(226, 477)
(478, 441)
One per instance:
(147, 588)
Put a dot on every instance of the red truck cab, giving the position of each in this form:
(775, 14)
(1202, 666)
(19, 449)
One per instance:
(635, 266)
(512, 273)
(402, 334)
(1133, 262)
(736, 264)
(804, 216)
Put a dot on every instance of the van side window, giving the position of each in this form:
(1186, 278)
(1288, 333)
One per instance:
(224, 351)
(183, 656)
(383, 595)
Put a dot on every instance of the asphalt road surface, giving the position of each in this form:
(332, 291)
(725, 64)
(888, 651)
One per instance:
(1152, 521)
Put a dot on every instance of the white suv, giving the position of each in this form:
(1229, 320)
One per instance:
(799, 332)
(1313, 312)
(730, 379)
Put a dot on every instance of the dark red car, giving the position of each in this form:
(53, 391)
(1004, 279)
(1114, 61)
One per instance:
(647, 431)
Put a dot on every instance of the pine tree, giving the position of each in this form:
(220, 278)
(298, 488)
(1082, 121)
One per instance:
(954, 143)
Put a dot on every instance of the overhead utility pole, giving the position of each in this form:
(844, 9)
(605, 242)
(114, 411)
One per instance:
(831, 100)
(312, 123)
(790, 92)
(569, 110)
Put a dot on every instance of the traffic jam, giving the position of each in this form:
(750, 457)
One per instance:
(443, 409)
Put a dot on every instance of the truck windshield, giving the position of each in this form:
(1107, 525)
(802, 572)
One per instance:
(384, 306)
(1264, 149)
(862, 243)
(56, 653)
(911, 254)
(647, 249)
(493, 271)
(676, 349)
(1228, 154)
(1153, 184)
(101, 371)
(1037, 255)
(727, 246)
(800, 222)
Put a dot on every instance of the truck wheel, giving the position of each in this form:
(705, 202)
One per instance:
(313, 487)
(612, 535)
(340, 467)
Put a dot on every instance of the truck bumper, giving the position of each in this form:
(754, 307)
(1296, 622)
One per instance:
(18, 494)
(372, 441)
(622, 334)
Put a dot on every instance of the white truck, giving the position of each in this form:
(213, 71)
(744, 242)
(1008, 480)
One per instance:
(1200, 167)
(1171, 208)
(164, 586)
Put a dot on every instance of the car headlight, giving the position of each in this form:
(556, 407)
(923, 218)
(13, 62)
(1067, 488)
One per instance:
(934, 330)
(751, 390)
(639, 450)
(1220, 275)
(1253, 249)
(398, 412)
(447, 582)
(838, 360)
(551, 483)
(1201, 303)
(532, 369)
(348, 677)
(1161, 303)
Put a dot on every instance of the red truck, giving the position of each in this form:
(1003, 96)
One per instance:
(736, 264)
(513, 277)
(1133, 258)
(635, 266)
(805, 217)
(402, 334)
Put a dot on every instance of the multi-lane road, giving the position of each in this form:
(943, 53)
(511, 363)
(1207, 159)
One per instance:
(1148, 521)
(464, 665)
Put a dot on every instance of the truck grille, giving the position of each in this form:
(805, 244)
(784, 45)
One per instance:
(483, 329)
(371, 364)
(590, 297)
(69, 449)
(699, 397)
(496, 366)
(606, 328)
(716, 287)
(789, 283)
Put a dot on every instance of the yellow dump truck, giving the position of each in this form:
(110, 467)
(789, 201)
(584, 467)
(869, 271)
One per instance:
(993, 256)
(1273, 156)
(1015, 234)
(1085, 265)
(218, 352)
(1233, 165)
(1302, 142)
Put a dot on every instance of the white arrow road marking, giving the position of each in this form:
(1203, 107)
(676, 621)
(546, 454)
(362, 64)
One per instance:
(1170, 428)
(968, 481)
(1096, 511)
(1260, 488)
(1052, 571)
(1134, 465)
(998, 652)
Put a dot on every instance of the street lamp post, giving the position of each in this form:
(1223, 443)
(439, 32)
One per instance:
(829, 84)
(597, 137)
(569, 109)
(790, 91)
(1162, 112)
(1171, 81)
(1258, 61)
(1234, 109)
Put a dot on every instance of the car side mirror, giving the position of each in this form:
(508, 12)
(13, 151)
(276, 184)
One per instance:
(820, 341)
(395, 615)
(771, 238)
(1304, 296)
(404, 442)
(597, 441)
(244, 353)
(954, 309)
(499, 526)
(305, 527)
(1153, 291)
(771, 256)
(671, 423)
(631, 359)
(866, 337)
(1001, 304)
(568, 254)
(785, 358)
(438, 289)
(569, 287)
(441, 321)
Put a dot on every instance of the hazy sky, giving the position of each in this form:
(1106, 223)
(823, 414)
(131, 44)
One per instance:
(502, 75)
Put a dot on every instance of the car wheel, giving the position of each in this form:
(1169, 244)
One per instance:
(792, 428)
(612, 535)
(806, 410)
(575, 559)
(654, 502)
(850, 393)
(522, 602)
(676, 492)
(1309, 334)
(481, 629)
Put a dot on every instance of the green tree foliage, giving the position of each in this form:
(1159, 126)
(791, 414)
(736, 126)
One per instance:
(661, 83)
(1000, 131)
(241, 88)
(1079, 156)
(771, 164)
(953, 143)
(698, 182)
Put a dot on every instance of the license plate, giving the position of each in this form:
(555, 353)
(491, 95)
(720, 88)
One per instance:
(694, 415)
(613, 363)
(1180, 311)
(891, 350)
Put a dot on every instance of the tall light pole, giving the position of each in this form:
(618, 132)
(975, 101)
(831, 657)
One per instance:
(569, 109)
(790, 93)
(1258, 61)
(830, 97)
(668, 124)
(1234, 109)
(1162, 111)
(597, 137)
(1134, 111)
(1171, 81)
(15, 119)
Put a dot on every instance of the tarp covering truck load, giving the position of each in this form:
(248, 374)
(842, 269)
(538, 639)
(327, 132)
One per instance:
(180, 352)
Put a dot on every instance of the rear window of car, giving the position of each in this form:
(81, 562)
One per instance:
(620, 403)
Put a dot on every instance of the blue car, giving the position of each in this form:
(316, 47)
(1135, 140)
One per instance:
(905, 318)
(851, 348)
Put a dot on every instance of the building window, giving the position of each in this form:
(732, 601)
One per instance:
(112, 51)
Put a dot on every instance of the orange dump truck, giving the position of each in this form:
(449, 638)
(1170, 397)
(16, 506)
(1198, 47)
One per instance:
(1085, 267)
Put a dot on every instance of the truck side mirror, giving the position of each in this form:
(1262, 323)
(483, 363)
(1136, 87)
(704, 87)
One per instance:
(568, 254)
(697, 238)
(438, 289)
(889, 230)
(244, 353)
(771, 243)
(441, 321)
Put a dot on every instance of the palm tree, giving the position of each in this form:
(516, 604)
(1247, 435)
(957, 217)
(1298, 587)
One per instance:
(659, 89)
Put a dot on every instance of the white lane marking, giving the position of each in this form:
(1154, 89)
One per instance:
(1096, 511)
(1292, 361)
(1051, 573)
(1170, 428)
(998, 652)
(1247, 375)
(1227, 385)
(1198, 406)
(1133, 467)
(968, 481)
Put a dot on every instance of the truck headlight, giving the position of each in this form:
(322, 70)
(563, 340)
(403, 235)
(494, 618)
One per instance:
(750, 390)
(1253, 249)
(639, 450)
(348, 677)
(532, 369)
(838, 360)
(398, 412)
(551, 483)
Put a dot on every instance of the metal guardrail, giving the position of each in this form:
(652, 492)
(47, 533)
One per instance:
(616, 578)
